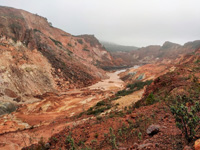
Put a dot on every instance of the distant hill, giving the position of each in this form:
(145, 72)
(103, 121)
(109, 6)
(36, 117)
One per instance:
(112, 47)
(152, 53)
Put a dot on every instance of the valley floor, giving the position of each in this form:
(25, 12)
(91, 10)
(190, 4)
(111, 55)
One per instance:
(53, 113)
(120, 110)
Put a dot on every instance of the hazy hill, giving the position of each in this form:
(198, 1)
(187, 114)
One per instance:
(112, 47)
(153, 53)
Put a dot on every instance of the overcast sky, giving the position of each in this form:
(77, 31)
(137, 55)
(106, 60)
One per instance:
(127, 22)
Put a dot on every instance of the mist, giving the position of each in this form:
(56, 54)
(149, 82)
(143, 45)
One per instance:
(131, 22)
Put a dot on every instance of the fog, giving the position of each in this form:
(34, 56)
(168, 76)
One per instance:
(127, 22)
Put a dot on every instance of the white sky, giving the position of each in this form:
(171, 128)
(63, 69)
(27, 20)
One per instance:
(127, 22)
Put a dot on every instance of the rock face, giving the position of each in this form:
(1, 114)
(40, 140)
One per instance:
(37, 58)
(153, 129)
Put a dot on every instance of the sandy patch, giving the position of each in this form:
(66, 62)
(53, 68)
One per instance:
(129, 99)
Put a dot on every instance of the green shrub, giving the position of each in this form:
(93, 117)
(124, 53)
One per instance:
(101, 103)
(197, 61)
(55, 139)
(69, 44)
(134, 87)
(113, 139)
(80, 115)
(94, 141)
(150, 99)
(114, 98)
(85, 49)
(15, 26)
(124, 92)
(140, 135)
(139, 85)
(80, 41)
(36, 30)
(96, 135)
(137, 104)
(58, 43)
(186, 118)
(70, 140)
(50, 24)
(99, 108)
(97, 111)
(41, 143)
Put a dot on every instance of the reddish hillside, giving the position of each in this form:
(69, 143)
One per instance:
(38, 58)
(154, 53)
(39, 64)
(146, 124)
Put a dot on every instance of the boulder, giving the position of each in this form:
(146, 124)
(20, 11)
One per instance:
(7, 107)
(133, 115)
(153, 129)
(197, 144)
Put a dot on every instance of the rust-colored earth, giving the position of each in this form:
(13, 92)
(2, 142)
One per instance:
(52, 113)
(58, 83)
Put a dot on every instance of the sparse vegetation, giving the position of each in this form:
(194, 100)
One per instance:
(140, 135)
(197, 61)
(106, 104)
(186, 117)
(96, 135)
(58, 43)
(113, 139)
(70, 141)
(40, 146)
(116, 113)
(150, 99)
(85, 49)
(101, 103)
(50, 24)
(36, 30)
(54, 139)
(139, 85)
(99, 108)
(15, 26)
(96, 111)
(69, 44)
(28, 69)
(80, 41)
(133, 87)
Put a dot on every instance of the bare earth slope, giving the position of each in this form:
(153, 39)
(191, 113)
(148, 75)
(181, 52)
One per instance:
(127, 127)
(38, 58)
(50, 75)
